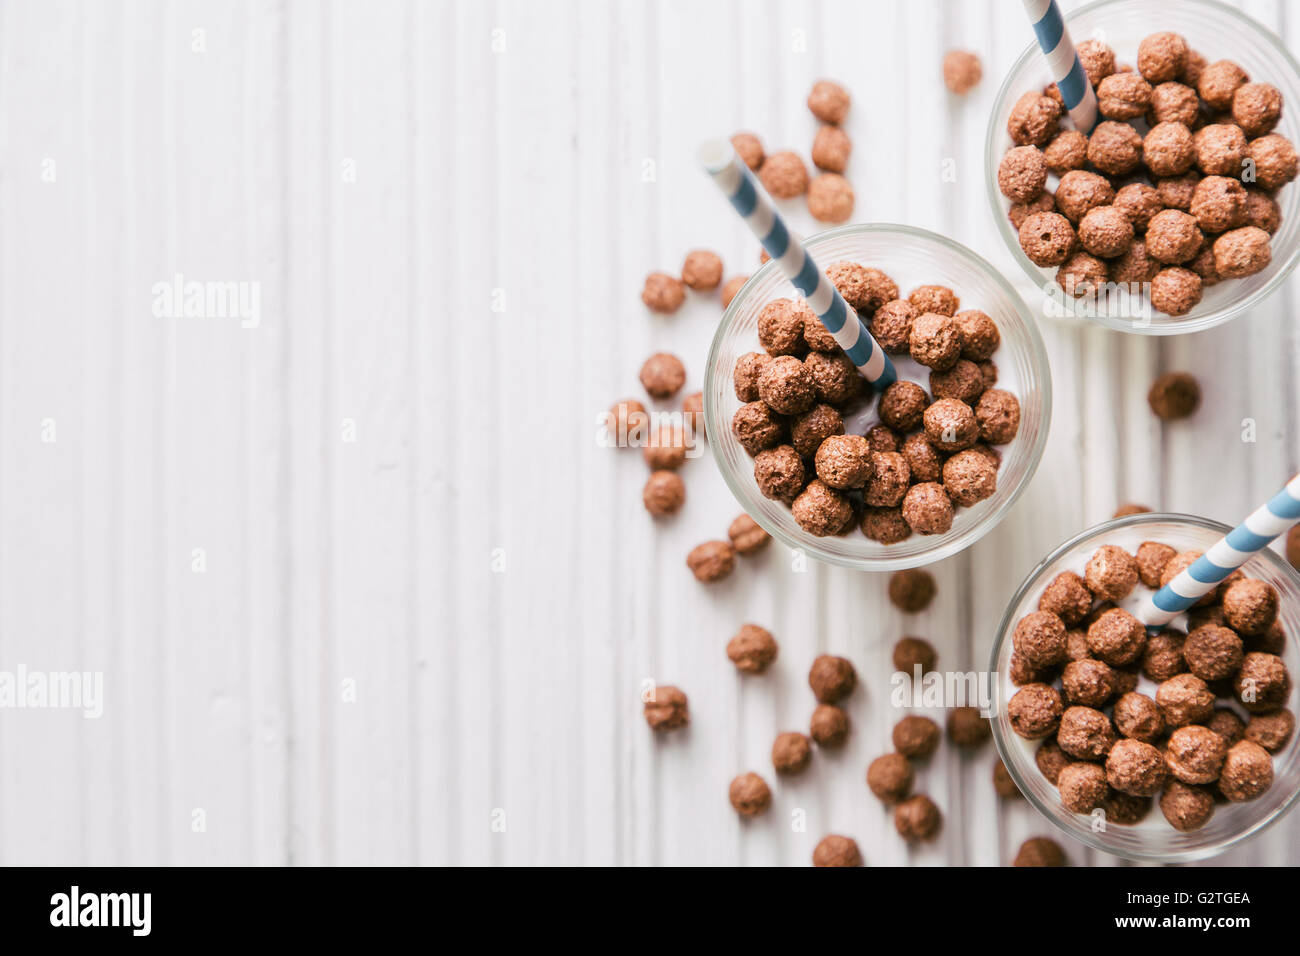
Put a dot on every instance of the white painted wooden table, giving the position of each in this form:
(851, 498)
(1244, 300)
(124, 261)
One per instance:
(361, 584)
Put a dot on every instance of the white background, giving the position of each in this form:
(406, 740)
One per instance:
(380, 171)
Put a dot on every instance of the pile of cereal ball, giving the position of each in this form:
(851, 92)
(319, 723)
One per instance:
(1201, 731)
(1173, 188)
(929, 454)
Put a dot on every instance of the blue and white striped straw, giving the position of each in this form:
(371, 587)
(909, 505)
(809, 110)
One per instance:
(760, 214)
(1224, 556)
(1063, 60)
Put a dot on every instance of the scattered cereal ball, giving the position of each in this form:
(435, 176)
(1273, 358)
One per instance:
(1134, 265)
(1138, 716)
(756, 427)
(1219, 204)
(1175, 291)
(1256, 108)
(1022, 174)
(780, 326)
(1034, 120)
(702, 270)
(784, 175)
(882, 438)
(1117, 637)
(1104, 231)
(1082, 275)
(786, 385)
(1270, 731)
(1085, 733)
(1087, 683)
(749, 795)
(1051, 760)
(1247, 772)
(746, 535)
(938, 299)
(1040, 851)
(745, 375)
(753, 649)
(1262, 684)
(1220, 148)
(967, 728)
(829, 726)
(629, 422)
(1195, 754)
(1274, 160)
(1139, 202)
(1079, 191)
(730, 290)
(664, 493)
(830, 198)
(1115, 148)
(844, 461)
(1193, 69)
(1242, 252)
(892, 325)
(1212, 653)
(791, 753)
(1173, 102)
(915, 736)
(885, 525)
(1172, 396)
(927, 509)
(964, 382)
(1123, 96)
(665, 449)
(1173, 237)
(1047, 238)
(1003, 785)
(1020, 211)
(1067, 597)
(890, 777)
(831, 148)
(779, 473)
(979, 334)
(835, 378)
(711, 561)
(1098, 59)
(1068, 150)
(1162, 57)
(1167, 149)
(911, 590)
(1163, 656)
(1135, 767)
(917, 818)
(836, 851)
(829, 102)
(1184, 699)
(1262, 211)
(820, 510)
(1175, 192)
(666, 708)
(951, 426)
(663, 374)
(1186, 808)
(1218, 83)
(998, 414)
(901, 405)
(809, 430)
(749, 148)
(969, 477)
(831, 678)
(663, 293)
(889, 480)
(961, 71)
(913, 652)
(1227, 725)
(1082, 787)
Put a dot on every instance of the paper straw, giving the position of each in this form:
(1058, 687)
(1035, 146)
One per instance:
(1224, 556)
(1063, 59)
(760, 214)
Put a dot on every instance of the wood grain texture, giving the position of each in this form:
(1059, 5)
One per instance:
(428, 599)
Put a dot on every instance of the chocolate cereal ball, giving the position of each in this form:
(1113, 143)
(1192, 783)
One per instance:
(1068, 150)
(1082, 275)
(1172, 396)
(1139, 202)
(1035, 711)
(964, 382)
(784, 175)
(711, 561)
(1250, 606)
(1079, 191)
(1125, 809)
(1203, 266)
(1138, 716)
(1111, 573)
(831, 148)
(628, 421)
(665, 449)
(829, 726)
(1022, 673)
(664, 493)
(1002, 783)
(780, 326)
(732, 288)
(745, 375)
(1227, 725)
(1186, 808)
(753, 649)
(1212, 653)
(1151, 557)
(1117, 637)
(915, 736)
(1162, 657)
(951, 426)
(809, 430)
(663, 375)
(787, 386)
(1082, 787)
(749, 795)
(1184, 699)
(923, 461)
(938, 299)
(666, 708)
(1262, 684)
(967, 728)
(1241, 252)
(998, 414)
(911, 590)
(1022, 174)
(1275, 161)
(1175, 192)
(889, 480)
(702, 270)
(935, 340)
(757, 427)
(663, 293)
(1048, 238)
(1193, 69)
(836, 850)
(911, 652)
(1219, 204)
(1162, 57)
(969, 477)
(821, 510)
(746, 535)
(927, 509)
(1175, 291)
(844, 461)
(885, 525)
(917, 818)
(1085, 733)
(1173, 102)
(1135, 767)
(1195, 754)
(1271, 731)
(1105, 231)
(749, 148)
(979, 334)
(1097, 58)
(892, 325)
(831, 678)
(1040, 851)
(835, 378)
(1256, 108)
(890, 777)
(1168, 150)
(882, 438)
(1262, 211)
(961, 71)
(1034, 120)
(1220, 148)
(830, 198)
(829, 102)
(1115, 148)
(902, 405)
(1247, 772)
(1087, 683)
(1134, 266)
(1218, 83)
(1173, 236)
(791, 753)
(1020, 211)
(1051, 760)
(779, 473)
(1067, 597)
(1123, 96)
